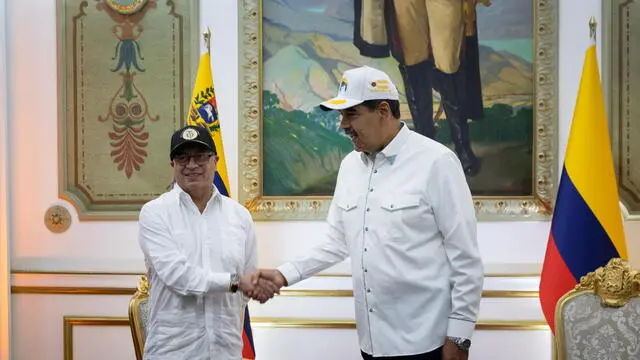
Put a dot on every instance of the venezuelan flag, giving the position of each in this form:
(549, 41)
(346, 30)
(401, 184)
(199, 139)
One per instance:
(586, 228)
(203, 111)
(248, 351)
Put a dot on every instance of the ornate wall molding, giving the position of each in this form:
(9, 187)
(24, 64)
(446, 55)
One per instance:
(70, 322)
(337, 275)
(129, 291)
(620, 73)
(120, 103)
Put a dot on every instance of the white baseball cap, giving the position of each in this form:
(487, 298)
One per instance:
(359, 85)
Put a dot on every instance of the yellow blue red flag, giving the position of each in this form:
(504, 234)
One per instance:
(586, 228)
(203, 111)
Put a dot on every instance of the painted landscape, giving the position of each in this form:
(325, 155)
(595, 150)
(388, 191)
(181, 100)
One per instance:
(307, 45)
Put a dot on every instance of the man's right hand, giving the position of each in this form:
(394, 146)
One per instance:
(262, 285)
(273, 276)
(269, 283)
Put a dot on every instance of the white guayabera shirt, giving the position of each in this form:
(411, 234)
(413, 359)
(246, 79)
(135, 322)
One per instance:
(190, 258)
(405, 216)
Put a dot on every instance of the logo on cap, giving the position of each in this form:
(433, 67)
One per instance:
(189, 134)
(380, 85)
(343, 85)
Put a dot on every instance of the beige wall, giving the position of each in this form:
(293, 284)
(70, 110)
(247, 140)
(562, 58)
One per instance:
(4, 233)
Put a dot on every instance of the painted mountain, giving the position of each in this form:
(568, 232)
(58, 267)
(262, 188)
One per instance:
(307, 44)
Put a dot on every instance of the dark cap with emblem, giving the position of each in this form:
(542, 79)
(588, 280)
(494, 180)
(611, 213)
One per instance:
(191, 135)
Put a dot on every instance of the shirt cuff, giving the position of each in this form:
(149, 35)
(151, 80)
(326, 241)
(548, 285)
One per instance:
(290, 273)
(218, 282)
(460, 328)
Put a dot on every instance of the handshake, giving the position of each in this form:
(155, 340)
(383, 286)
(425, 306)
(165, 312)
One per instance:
(262, 285)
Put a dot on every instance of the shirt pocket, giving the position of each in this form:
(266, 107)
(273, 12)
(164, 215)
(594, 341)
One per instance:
(233, 245)
(351, 215)
(402, 212)
(348, 205)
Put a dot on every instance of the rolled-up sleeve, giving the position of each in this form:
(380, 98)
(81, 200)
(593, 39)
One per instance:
(455, 215)
(171, 266)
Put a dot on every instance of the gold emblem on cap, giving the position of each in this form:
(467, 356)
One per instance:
(189, 134)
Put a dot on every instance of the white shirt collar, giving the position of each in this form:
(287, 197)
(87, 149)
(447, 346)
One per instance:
(393, 148)
(184, 196)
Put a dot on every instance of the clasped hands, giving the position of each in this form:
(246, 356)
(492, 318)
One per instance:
(262, 285)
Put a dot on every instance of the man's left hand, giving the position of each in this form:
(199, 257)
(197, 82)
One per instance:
(450, 351)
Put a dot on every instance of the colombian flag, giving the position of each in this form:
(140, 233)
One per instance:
(203, 111)
(586, 228)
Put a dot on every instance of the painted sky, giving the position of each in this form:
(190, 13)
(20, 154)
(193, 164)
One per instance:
(504, 19)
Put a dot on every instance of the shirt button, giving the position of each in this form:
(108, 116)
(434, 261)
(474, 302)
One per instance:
(375, 171)
(368, 209)
(371, 190)
(366, 229)
(368, 290)
(365, 270)
(365, 249)
(370, 310)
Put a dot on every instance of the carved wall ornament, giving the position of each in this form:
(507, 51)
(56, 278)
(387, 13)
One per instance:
(125, 79)
(57, 219)
(126, 6)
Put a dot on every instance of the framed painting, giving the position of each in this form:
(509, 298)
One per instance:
(620, 74)
(293, 53)
(125, 69)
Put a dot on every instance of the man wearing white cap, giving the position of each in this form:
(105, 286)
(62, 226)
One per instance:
(403, 212)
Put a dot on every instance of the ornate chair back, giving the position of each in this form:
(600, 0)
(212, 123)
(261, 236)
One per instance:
(600, 318)
(138, 315)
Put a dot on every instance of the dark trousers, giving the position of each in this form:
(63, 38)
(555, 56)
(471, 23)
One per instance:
(431, 355)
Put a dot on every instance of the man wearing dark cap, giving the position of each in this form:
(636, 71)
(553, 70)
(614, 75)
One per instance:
(201, 257)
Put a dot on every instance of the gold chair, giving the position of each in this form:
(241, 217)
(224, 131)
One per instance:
(600, 318)
(138, 315)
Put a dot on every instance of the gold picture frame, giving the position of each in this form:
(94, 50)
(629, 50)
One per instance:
(538, 206)
(124, 85)
(620, 32)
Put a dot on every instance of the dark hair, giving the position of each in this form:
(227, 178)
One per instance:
(394, 105)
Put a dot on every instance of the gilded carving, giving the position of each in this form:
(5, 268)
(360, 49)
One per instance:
(615, 283)
(143, 287)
